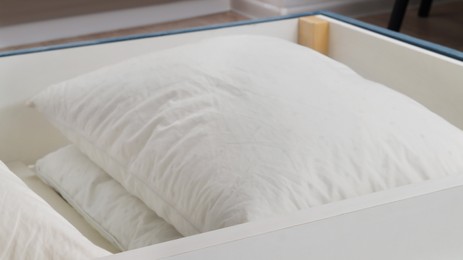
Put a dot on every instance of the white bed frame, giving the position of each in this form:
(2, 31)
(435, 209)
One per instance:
(424, 217)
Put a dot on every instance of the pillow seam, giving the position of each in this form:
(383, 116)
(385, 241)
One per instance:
(135, 177)
(82, 212)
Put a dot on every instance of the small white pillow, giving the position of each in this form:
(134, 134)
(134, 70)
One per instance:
(120, 217)
(240, 128)
(30, 229)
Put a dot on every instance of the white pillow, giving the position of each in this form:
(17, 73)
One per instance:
(30, 229)
(240, 128)
(104, 203)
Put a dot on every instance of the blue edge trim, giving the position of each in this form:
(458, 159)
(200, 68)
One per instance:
(458, 55)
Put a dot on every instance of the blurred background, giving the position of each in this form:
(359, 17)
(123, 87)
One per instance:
(27, 23)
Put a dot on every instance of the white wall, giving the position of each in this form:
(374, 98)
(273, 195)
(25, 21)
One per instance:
(108, 21)
(262, 8)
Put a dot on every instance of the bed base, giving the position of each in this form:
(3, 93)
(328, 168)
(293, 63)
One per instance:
(420, 221)
(431, 75)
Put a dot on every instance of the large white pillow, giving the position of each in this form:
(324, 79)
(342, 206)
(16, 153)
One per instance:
(120, 217)
(31, 230)
(240, 128)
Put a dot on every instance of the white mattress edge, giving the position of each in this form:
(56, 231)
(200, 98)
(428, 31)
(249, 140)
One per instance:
(239, 232)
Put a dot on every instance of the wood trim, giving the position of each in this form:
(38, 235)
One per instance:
(313, 32)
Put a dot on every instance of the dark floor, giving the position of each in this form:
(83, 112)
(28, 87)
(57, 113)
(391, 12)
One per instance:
(186, 23)
(443, 26)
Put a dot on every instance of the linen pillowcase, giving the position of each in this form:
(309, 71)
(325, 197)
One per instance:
(31, 229)
(120, 217)
(240, 128)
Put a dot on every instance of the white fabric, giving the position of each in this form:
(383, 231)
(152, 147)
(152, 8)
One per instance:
(29, 177)
(30, 229)
(240, 128)
(104, 203)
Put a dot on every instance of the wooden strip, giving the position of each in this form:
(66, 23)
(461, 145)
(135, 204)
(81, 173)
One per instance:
(313, 32)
